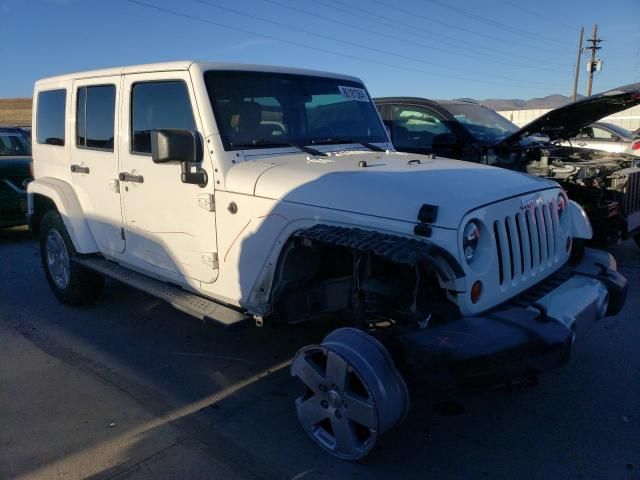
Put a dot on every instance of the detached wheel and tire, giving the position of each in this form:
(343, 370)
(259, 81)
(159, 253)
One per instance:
(71, 283)
(353, 392)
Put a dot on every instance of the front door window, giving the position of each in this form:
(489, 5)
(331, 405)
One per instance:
(419, 129)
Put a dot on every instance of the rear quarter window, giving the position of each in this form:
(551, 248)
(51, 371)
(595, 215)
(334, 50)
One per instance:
(50, 119)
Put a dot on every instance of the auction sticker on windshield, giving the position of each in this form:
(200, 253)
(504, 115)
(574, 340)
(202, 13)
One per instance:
(354, 93)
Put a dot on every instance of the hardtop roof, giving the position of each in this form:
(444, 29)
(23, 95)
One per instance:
(185, 65)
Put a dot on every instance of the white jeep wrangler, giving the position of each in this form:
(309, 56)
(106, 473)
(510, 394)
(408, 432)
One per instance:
(241, 192)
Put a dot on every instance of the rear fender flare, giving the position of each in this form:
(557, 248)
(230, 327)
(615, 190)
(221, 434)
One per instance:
(64, 198)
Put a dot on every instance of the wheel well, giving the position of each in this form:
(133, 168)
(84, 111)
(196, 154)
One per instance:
(313, 279)
(41, 205)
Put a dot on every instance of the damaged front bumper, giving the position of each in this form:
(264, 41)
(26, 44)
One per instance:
(530, 334)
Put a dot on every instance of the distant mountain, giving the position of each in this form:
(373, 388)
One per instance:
(550, 101)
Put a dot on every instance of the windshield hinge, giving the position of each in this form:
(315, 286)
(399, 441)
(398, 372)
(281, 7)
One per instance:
(206, 201)
(210, 259)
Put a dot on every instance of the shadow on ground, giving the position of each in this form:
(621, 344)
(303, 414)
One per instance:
(194, 401)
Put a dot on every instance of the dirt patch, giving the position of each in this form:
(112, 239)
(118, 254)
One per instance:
(15, 111)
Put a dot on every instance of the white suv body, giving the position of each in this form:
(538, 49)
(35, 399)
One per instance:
(259, 226)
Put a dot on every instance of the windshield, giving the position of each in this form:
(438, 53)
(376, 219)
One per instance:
(14, 143)
(487, 126)
(258, 110)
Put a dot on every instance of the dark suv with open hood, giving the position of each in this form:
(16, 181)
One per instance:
(15, 174)
(606, 184)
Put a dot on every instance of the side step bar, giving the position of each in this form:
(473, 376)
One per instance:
(189, 303)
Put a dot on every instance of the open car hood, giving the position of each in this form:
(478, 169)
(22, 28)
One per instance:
(565, 122)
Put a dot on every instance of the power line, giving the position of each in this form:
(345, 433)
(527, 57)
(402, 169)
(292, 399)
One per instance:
(411, 40)
(449, 26)
(342, 6)
(355, 44)
(493, 23)
(314, 48)
(536, 14)
(464, 29)
(394, 24)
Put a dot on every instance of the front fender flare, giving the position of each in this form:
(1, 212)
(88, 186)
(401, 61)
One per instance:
(64, 198)
(581, 226)
(397, 248)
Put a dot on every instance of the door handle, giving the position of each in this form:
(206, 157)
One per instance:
(582, 144)
(79, 169)
(127, 177)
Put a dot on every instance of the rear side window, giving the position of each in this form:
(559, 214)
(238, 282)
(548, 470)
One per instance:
(157, 105)
(95, 116)
(50, 119)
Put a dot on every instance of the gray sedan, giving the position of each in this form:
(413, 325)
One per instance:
(606, 136)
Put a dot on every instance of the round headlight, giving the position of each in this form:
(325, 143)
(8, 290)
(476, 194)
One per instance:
(470, 239)
(562, 204)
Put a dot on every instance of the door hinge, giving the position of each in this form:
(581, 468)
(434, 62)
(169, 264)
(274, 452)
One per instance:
(206, 201)
(210, 259)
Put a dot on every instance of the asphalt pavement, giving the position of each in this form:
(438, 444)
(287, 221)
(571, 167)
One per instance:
(129, 388)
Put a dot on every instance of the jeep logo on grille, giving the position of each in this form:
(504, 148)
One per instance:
(530, 203)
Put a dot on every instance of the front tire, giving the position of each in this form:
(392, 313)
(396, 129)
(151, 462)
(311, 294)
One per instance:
(70, 283)
(353, 392)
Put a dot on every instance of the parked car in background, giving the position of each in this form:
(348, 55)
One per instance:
(26, 129)
(606, 184)
(607, 137)
(15, 174)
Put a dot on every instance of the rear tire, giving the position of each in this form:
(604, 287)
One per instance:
(71, 283)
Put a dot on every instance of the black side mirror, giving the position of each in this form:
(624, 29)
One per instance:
(174, 145)
(184, 146)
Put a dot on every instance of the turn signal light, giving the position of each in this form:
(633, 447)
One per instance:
(476, 290)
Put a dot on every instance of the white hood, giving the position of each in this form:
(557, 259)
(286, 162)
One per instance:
(389, 187)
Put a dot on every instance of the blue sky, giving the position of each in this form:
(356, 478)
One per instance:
(431, 48)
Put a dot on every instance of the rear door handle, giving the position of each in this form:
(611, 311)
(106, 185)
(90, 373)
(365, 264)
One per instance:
(79, 169)
(127, 177)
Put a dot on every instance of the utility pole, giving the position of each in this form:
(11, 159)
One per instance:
(575, 80)
(595, 46)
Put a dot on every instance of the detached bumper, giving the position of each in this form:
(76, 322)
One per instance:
(529, 335)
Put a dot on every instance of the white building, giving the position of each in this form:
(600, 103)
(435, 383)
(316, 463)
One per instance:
(629, 119)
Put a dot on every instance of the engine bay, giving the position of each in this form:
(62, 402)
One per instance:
(587, 168)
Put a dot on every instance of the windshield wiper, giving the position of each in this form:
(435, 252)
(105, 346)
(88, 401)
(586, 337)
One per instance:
(264, 142)
(338, 140)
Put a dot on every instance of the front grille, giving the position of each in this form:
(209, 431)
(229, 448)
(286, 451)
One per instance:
(632, 193)
(527, 243)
